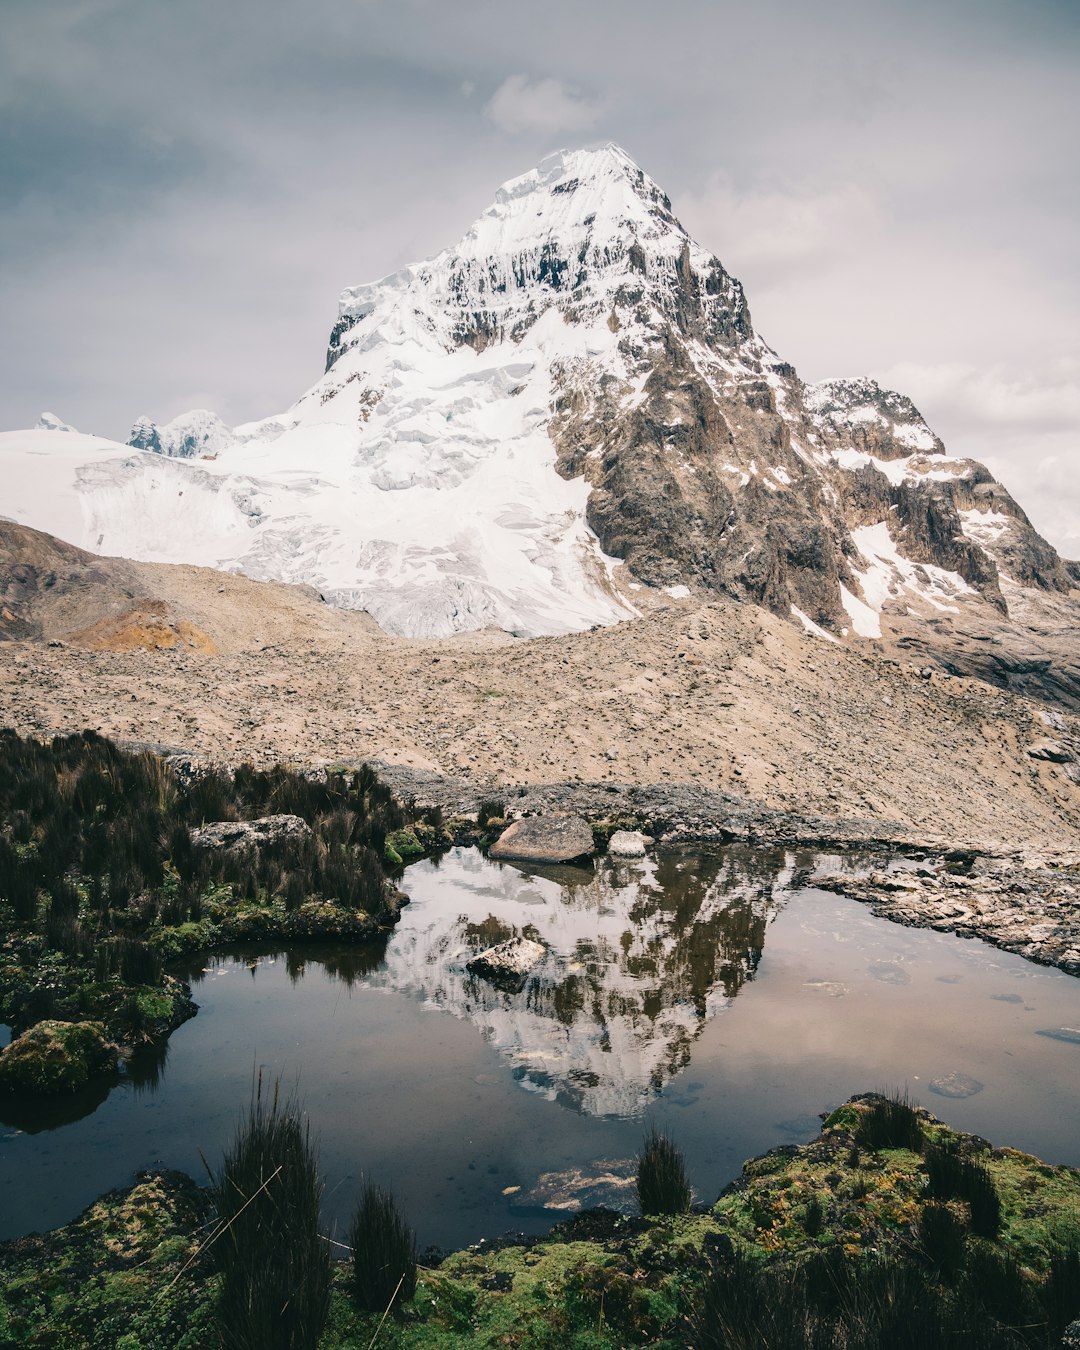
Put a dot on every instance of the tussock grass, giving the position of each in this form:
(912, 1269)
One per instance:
(275, 1267)
(383, 1252)
(662, 1185)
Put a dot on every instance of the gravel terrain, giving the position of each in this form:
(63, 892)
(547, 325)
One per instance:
(720, 702)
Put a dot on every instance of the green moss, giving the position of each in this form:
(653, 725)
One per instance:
(602, 830)
(54, 1057)
(402, 845)
(113, 1277)
(599, 1283)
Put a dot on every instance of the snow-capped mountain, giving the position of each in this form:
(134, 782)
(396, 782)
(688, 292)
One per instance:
(519, 432)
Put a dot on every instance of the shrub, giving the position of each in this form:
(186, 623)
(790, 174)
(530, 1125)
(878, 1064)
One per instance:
(944, 1171)
(982, 1197)
(384, 1252)
(831, 1303)
(951, 1176)
(488, 811)
(275, 1267)
(814, 1216)
(139, 963)
(942, 1233)
(1060, 1295)
(890, 1122)
(995, 1280)
(662, 1185)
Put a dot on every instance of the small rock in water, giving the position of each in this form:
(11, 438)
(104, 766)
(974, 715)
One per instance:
(600, 1182)
(628, 844)
(955, 1085)
(1007, 998)
(889, 973)
(834, 988)
(508, 964)
(1069, 1034)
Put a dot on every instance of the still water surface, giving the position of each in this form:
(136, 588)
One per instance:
(706, 993)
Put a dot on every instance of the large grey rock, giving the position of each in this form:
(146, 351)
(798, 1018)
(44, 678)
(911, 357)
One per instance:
(509, 963)
(237, 835)
(549, 839)
(1053, 751)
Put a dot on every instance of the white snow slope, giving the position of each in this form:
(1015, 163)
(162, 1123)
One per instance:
(416, 479)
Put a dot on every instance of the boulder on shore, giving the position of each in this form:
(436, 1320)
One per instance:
(237, 835)
(508, 964)
(544, 839)
(628, 844)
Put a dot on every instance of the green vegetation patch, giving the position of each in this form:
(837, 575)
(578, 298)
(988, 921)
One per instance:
(826, 1241)
(125, 1275)
(55, 1057)
(106, 874)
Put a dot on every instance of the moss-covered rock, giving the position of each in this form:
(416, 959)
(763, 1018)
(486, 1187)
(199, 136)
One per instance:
(127, 1274)
(401, 845)
(56, 1057)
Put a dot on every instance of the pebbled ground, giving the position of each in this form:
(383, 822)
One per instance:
(721, 698)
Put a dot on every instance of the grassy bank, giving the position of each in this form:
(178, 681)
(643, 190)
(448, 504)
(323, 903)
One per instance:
(836, 1243)
(108, 871)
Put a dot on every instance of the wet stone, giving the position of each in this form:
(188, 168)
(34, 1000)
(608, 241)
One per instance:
(956, 1085)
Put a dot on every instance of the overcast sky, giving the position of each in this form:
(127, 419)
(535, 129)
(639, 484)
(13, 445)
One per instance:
(186, 185)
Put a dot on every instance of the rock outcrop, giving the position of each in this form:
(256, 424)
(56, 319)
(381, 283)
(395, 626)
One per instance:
(238, 835)
(544, 839)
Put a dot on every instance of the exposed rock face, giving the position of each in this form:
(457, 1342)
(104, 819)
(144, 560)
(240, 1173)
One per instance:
(577, 382)
(50, 422)
(48, 587)
(711, 463)
(544, 839)
(237, 835)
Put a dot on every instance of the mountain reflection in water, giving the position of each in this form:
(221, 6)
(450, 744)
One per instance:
(641, 955)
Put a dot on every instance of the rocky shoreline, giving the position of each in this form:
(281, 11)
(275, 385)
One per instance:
(1020, 901)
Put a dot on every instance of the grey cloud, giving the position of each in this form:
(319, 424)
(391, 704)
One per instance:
(539, 105)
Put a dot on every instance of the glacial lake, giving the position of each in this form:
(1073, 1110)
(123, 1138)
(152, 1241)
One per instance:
(707, 993)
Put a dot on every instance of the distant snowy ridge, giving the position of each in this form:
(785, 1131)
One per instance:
(521, 430)
(198, 433)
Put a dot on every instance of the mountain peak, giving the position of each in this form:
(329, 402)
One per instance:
(605, 165)
(586, 233)
(572, 196)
